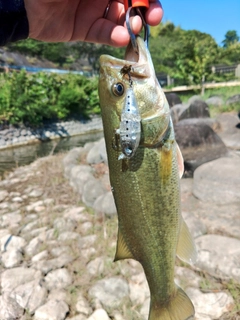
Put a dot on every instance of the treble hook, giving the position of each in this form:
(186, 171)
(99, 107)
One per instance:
(132, 35)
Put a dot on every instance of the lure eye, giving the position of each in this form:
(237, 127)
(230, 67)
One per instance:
(118, 89)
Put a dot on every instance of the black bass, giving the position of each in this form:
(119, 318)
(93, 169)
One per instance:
(145, 168)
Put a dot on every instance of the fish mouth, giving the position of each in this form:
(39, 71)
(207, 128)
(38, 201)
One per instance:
(140, 62)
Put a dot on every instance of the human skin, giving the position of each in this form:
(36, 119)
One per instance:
(85, 20)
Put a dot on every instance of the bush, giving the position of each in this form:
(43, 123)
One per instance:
(33, 98)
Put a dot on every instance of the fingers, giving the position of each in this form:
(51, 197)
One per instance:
(154, 13)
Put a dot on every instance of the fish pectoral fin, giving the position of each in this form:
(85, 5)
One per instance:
(122, 251)
(186, 249)
(180, 162)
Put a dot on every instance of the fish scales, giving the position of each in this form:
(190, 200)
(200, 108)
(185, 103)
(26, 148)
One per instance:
(146, 187)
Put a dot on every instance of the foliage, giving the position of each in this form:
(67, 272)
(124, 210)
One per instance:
(33, 98)
(231, 37)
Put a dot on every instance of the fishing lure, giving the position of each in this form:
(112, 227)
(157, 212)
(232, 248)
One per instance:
(130, 124)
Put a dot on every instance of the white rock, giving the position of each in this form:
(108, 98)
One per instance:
(139, 290)
(30, 295)
(17, 199)
(213, 305)
(9, 219)
(85, 227)
(96, 266)
(60, 250)
(88, 241)
(110, 291)
(82, 305)
(14, 277)
(58, 279)
(69, 235)
(33, 247)
(3, 195)
(52, 264)
(43, 255)
(62, 224)
(87, 253)
(52, 310)
(218, 255)
(35, 193)
(11, 258)
(10, 242)
(99, 314)
(9, 308)
(57, 294)
(76, 214)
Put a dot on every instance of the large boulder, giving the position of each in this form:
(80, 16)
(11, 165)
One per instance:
(198, 143)
(218, 181)
(176, 110)
(197, 109)
(229, 129)
(172, 99)
(216, 101)
(234, 100)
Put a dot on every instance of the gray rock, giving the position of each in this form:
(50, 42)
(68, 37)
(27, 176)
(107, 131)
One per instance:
(88, 241)
(58, 279)
(216, 101)
(215, 255)
(36, 193)
(9, 308)
(212, 305)
(52, 310)
(97, 153)
(61, 224)
(176, 110)
(234, 100)
(58, 294)
(198, 143)
(14, 277)
(110, 292)
(210, 186)
(72, 158)
(172, 99)
(30, 295)
(228, 122)
(195, 225)
(91, 191)
(196, 109)
(56, 252)
(68, 236)
(105, 204)
(79, 175)
(76, 214)
(194, 98)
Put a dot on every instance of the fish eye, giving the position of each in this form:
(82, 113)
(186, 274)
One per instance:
(118, 89)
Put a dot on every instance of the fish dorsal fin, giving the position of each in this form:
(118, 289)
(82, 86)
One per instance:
(186, 249)
(180, 161)
(122, 251)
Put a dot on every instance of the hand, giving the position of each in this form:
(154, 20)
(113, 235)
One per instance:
(83, 20)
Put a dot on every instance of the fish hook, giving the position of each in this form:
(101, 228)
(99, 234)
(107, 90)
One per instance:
(129, 28)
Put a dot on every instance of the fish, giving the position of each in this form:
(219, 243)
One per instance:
(146, 183)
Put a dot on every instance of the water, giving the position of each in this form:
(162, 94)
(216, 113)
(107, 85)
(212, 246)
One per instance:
(23, 155)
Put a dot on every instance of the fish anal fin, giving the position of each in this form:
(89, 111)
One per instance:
(122, 251)
(186, 249)
(180, 162)
(179, 307)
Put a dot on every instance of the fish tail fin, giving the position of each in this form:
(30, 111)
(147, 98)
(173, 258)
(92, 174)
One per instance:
(179, 307)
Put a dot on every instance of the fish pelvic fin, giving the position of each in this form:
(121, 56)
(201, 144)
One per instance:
(186, 249)
(122, 251)
(179, 307)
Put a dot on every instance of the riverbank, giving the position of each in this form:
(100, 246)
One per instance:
(57, 252)
(22, 135)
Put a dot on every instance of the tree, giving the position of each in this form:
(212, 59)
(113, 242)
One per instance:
(230, 38)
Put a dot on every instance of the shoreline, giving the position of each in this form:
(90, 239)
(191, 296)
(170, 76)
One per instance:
(17, 137)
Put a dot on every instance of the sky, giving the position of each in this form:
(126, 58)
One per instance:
(215, 17)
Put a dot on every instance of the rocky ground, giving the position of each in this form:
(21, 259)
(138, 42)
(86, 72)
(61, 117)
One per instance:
(58, 230)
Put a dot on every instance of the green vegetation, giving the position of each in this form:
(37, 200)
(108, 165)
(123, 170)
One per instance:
(33, 98)
(188, 55)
